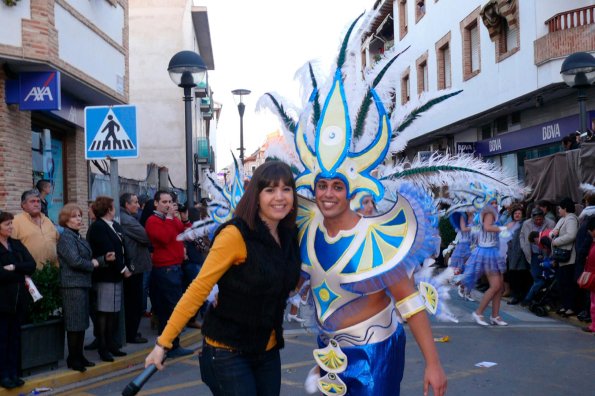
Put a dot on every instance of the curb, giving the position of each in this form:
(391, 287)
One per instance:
(64, 376)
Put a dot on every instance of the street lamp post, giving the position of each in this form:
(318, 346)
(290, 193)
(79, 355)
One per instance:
(186, 69)
(241, 107)
(578, 71)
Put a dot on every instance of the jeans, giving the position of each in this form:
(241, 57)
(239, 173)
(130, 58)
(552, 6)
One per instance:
(232, 373)
(538, 281)
(190, 271)
(146, 281)
(166, 291)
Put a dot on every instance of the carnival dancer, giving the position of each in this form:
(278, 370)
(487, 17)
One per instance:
(361, 268)
(362, 343)
(254, 259)
(462, 223)
(487, 260)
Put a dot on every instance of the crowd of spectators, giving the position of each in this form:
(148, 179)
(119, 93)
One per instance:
(546, 254)
(101, 273)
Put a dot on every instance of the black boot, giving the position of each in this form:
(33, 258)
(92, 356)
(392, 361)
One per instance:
(75, 351)
(102, 320)
(112, 325)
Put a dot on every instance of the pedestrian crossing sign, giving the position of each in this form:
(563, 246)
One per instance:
(110, 131)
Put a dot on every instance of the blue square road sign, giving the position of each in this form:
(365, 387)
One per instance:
(110, 131)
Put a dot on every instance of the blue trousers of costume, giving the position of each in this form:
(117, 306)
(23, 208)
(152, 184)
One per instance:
(374, 369)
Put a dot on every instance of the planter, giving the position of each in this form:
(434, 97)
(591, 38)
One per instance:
(42, 344)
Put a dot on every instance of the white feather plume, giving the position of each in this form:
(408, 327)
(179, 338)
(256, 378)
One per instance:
(483, 172)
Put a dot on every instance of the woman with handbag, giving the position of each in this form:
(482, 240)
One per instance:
(590, 268)
(15, 263)
(106, 238)
(563, 236)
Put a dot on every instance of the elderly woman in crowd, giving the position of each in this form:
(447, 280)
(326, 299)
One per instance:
(15, 263)
(563, 236)
(106, 239)
(76, 267)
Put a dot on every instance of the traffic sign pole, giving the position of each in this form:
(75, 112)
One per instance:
(114, 183)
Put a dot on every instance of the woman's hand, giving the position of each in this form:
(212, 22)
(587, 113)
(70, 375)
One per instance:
(554, 233)
(110, 256)
(9, 267)
(434, 376)
(155, 357)
(95, 263)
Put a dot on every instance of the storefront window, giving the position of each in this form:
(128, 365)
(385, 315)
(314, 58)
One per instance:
(47, 157)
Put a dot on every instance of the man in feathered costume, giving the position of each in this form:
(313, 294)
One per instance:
(361, 268)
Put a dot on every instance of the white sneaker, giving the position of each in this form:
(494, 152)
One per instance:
(469, 298)
(479, 319)
(296, 318)
(498, 321)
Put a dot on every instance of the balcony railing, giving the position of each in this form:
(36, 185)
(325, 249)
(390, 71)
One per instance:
(570, 19)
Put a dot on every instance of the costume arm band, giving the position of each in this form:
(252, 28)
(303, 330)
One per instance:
(411, 305)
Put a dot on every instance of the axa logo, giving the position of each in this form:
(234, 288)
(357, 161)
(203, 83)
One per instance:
(39, 94)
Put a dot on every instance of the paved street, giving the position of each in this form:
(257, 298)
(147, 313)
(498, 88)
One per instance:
(534, 356)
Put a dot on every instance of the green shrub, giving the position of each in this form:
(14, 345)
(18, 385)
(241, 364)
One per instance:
(47, 281)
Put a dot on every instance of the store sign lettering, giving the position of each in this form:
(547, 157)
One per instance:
(550, 131)
(40, 90)
(495, 145)
(38, 94)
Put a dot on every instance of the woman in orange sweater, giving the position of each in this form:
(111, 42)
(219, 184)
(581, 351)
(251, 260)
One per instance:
(254, 260)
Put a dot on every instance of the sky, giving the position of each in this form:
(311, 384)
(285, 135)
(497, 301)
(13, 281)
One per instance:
(259, 45)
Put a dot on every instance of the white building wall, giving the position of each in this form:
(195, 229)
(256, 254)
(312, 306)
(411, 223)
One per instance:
(498, 82)
(10, 22)
(158, 30)
(88, 51)
(108, 18)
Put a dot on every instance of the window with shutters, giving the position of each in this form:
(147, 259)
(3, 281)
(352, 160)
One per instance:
(405, 87)
(443, 61)
(420, 9)
(507, 41)
(402, 18)
(474, 33)
(471, 45)
(422, 73)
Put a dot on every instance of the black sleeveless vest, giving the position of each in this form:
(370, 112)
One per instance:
(252, 295)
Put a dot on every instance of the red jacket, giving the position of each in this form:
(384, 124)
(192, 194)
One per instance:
(162, 233)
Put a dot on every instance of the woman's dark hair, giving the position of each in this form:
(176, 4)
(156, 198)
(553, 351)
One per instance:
(546, 242)
(67, 211)
(147, 212)
(5, 216)
(268, 174)
(568, 205)
(102, 205)
(532, 236)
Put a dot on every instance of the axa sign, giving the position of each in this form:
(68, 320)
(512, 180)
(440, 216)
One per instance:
(39, 90)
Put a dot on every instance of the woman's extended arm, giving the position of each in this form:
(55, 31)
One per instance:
(228, 249)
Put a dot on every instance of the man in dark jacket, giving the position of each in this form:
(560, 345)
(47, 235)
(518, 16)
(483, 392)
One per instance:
(136, 243)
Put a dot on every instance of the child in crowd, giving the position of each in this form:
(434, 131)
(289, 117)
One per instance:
(543, 268)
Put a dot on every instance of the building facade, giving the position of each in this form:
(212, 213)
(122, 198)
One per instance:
(57, 57)
(158, 30)
(504, 54)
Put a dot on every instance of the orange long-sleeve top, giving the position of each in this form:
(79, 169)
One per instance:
(228, 249)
